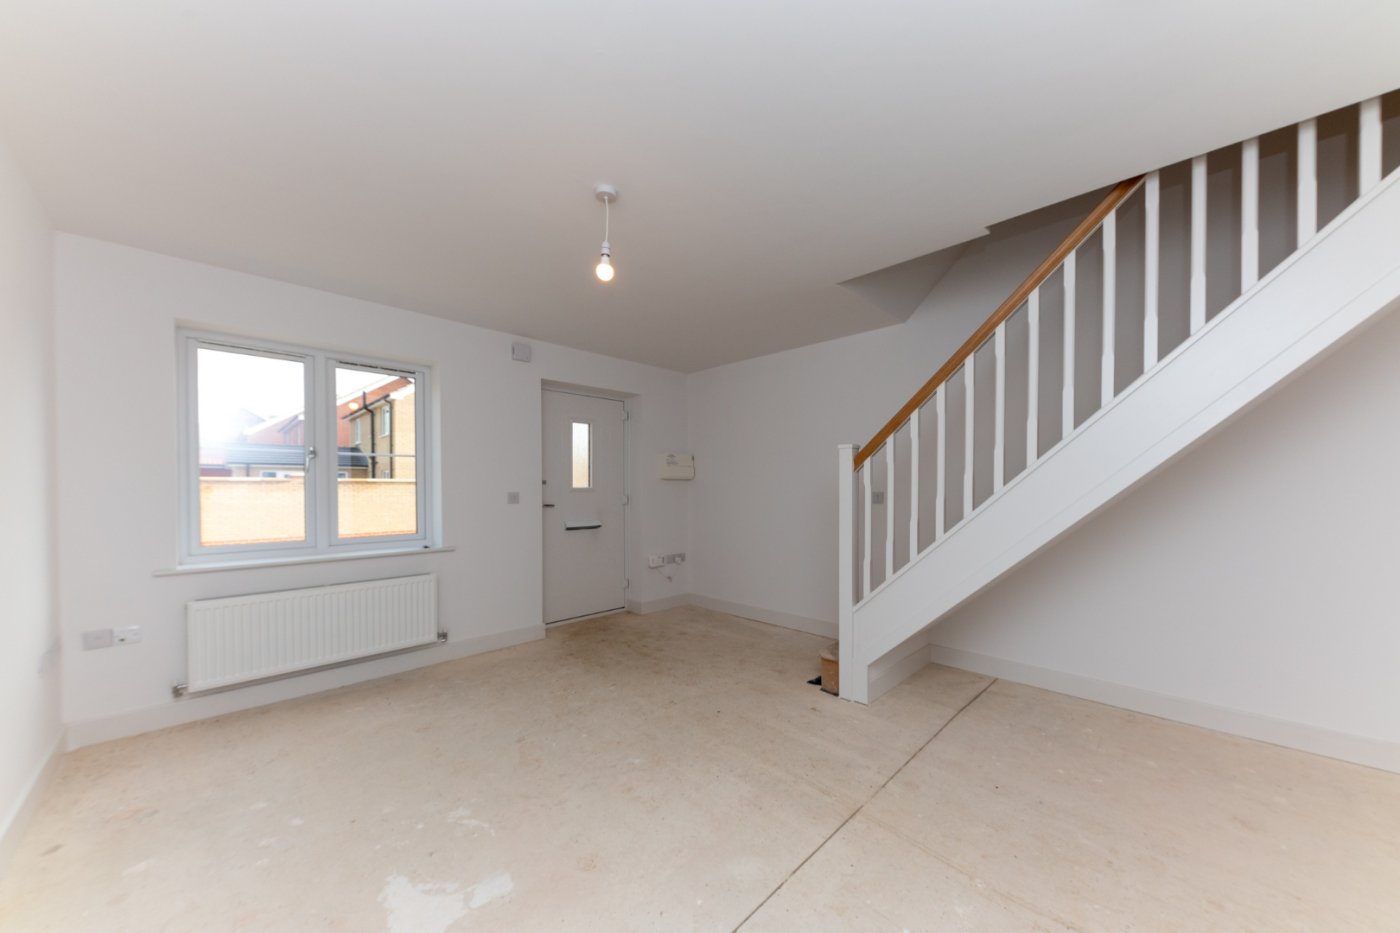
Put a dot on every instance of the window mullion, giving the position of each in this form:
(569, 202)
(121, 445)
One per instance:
(311, 439)
(324, 407)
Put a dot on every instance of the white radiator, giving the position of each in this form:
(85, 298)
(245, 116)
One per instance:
(245, 638)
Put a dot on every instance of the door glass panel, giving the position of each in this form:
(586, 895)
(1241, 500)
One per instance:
(582, 466)
(377, 453)
(252, 448)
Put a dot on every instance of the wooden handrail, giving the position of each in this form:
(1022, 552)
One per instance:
(1008, 307)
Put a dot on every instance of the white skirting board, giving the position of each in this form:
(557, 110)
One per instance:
(756, 613)
(771, 616)
(641, 608)
(1373, 753)
(191, 709)
(896, 667)
(22, 812)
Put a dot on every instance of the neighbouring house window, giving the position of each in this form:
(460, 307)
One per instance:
(257, 412)
(582, 455)
(384, 414)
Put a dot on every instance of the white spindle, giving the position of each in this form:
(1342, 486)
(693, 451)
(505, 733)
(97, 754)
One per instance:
(889, 506)
(1369, 145)
(914, 483)
(1033, 379)
(865, 471)
(1198, 243)
(1307, 181)
(1110, 305)
(940, 411)
(1152, 195)
(1249, 213)
(1067, 393)
(999, 438)
(969, 383)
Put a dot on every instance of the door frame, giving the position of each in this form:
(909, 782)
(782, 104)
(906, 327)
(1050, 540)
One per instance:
(625, 398)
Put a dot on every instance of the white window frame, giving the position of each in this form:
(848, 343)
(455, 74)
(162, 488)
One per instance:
(385, 419)
(321, 435)
(357, 440)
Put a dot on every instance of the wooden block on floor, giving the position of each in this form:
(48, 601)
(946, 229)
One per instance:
(831, 669)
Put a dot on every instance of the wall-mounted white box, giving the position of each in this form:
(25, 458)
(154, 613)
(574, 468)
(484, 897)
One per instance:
(678, 466)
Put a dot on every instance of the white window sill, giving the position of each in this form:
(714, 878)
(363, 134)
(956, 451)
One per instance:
(289, 561)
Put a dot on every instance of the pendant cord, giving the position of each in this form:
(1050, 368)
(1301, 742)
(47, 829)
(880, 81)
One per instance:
(607, 217)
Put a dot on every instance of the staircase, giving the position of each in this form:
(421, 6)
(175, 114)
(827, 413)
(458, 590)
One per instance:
(1186, 296)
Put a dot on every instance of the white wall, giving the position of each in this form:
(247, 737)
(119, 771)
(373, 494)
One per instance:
(765, 431)
(29, 680)
(1256, 574)
(117, 313)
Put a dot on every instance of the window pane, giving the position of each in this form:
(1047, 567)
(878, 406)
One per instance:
(252, 448)
(583, 476)
(377, 467)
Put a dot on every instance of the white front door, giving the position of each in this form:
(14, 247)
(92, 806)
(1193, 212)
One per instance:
(584, 568)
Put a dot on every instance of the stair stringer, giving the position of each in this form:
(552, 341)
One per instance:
(1343, 279)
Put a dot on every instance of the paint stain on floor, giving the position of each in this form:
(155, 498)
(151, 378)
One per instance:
(432, 907)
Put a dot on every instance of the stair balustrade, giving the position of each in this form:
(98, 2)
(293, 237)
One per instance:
(1084, 328)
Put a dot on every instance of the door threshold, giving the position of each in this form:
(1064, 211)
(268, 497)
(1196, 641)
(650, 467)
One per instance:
(591, 615)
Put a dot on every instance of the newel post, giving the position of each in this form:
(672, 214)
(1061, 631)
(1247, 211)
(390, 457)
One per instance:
(846, 566)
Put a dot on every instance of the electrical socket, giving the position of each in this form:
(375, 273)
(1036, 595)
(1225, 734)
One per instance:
(128, 636)
(675, 558)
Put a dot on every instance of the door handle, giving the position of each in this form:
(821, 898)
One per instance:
(548, 505)
(577, 526)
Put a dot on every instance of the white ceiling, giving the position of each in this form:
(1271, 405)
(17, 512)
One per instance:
(441, 156)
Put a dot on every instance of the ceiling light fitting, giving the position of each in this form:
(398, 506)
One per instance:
(607, 194)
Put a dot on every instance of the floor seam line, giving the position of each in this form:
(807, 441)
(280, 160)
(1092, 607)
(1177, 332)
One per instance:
(856, 812)
(992, 891)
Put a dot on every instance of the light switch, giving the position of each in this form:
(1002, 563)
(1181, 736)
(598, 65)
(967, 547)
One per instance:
(512, 498)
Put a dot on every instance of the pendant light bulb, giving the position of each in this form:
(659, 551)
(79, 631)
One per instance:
(607, 194)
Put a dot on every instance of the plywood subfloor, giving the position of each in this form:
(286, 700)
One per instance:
(675, 772)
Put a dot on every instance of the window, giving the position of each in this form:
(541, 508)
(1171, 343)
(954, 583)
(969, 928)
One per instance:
(259, 423)
(582, 451)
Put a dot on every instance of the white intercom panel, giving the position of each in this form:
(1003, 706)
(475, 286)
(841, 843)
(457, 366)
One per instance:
(678, 466)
